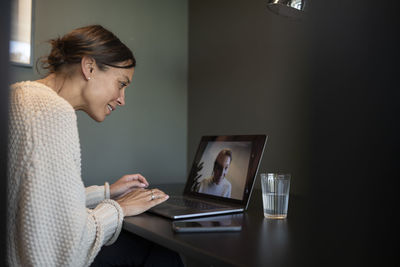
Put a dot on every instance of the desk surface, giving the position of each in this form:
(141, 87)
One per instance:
(262, 242)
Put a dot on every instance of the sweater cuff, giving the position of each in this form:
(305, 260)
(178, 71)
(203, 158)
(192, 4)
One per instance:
(109, 213)
(94, 195)
(106, 190)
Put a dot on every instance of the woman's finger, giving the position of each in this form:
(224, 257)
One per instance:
(158, 200)
(142, 179)
(136, 177)
(156, 194)
(136, 184)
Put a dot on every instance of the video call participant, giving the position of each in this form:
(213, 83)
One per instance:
(217, 184)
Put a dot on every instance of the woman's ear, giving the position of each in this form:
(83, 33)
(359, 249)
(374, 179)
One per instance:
(87, 66)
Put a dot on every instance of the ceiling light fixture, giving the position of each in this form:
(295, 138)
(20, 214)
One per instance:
(287, 8)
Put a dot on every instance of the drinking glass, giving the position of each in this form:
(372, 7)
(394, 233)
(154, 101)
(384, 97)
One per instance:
(275, 192)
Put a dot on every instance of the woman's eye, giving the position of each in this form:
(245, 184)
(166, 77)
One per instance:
(122, 85)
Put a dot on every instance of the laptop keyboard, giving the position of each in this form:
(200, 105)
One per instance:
(184, 202)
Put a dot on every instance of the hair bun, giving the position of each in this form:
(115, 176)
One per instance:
(58, 49)
(56, 58)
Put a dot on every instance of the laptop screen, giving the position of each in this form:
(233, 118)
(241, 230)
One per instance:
(225, 167)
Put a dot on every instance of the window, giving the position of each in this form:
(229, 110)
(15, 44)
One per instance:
(21, 32)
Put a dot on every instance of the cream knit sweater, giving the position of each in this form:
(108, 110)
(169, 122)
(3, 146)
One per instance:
(48, 221)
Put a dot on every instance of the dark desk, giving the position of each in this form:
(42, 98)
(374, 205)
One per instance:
(262, 242)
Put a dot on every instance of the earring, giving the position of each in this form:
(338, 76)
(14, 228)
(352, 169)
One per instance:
(88, 78)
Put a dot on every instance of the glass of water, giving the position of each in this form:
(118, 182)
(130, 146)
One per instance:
(275, 192)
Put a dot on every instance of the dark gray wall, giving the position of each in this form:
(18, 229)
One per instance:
(246, 77)
(4, 79)
(149, 134)
(355, 133)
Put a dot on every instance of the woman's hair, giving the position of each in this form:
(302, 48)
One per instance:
(93, 41)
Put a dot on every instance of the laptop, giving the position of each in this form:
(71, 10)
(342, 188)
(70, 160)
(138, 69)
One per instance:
(221, 178)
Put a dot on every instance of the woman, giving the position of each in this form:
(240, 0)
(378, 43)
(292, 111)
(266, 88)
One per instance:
(52, 219)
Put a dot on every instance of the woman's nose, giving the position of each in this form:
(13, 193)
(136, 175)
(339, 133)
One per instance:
(121, 98)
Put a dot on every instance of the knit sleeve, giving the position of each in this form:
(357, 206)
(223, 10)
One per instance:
(53, 225)
(95, 194)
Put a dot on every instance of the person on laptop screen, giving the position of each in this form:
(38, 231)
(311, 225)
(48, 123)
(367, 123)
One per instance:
(217, 184)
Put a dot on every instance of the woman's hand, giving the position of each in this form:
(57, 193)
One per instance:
(127, 184)
(140, 200)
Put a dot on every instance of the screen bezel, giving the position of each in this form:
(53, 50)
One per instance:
(257, 149)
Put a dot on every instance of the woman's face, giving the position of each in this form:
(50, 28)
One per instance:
(105, 91)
